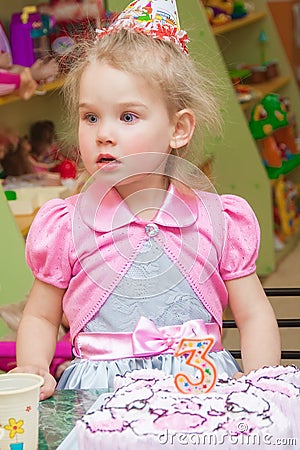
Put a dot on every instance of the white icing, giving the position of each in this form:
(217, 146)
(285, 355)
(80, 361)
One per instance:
(146, 410)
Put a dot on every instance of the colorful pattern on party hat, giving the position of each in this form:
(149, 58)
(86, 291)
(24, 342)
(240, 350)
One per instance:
(157, 18)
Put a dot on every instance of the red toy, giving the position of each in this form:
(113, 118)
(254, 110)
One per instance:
(67, 169)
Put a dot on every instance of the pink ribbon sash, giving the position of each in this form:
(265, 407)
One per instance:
(146, 340)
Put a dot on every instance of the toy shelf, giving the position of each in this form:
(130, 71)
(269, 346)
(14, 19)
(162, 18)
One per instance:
(238, 23)
(272, 85)
(41, 90)
(261, 89)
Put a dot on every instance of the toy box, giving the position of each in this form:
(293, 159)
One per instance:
(29, 36)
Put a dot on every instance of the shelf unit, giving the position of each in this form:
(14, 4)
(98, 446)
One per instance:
(239, 23)
(261, 89)
(227, 40)
(236, 164)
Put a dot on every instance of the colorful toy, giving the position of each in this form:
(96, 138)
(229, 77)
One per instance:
(218, 11)
(67, 169)
(286, 135)
(269, 124)
(29, 36)
(286, 199)
(197, 350)
(239, 10)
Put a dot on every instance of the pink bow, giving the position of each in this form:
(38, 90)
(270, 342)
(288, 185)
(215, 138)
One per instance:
(146, 340)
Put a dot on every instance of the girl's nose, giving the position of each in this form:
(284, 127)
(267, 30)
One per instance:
(104, 134)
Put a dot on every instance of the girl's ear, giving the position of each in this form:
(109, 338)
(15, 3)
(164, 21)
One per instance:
(184, 128)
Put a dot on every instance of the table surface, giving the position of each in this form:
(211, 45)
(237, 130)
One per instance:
(59, 413)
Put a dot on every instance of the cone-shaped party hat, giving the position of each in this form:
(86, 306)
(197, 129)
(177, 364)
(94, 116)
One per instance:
(157, 18)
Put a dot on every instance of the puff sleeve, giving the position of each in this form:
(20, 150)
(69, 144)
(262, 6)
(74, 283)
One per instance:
(48, 244)
(242, 238)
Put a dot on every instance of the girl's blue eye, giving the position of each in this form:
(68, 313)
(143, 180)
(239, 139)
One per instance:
(128, 117)
(91, 118)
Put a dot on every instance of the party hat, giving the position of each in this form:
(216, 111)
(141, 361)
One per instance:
(157, 18)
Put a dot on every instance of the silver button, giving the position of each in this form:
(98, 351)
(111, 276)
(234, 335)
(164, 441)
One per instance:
(151, 229)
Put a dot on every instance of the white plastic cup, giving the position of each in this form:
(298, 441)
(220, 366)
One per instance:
(19, 411)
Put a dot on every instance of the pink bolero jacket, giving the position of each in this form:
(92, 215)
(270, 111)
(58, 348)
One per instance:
(85, 245)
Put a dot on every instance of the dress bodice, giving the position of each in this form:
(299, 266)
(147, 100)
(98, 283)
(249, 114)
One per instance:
(153, 287)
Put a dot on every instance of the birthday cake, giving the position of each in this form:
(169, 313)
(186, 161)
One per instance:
(146, 411)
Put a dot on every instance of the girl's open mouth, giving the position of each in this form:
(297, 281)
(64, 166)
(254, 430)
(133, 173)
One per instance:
(107, 162)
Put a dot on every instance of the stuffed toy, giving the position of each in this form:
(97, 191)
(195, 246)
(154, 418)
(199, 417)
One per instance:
(239, 10)
(218, 11)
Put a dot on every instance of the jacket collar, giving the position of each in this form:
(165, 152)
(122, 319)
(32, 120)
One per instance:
(106, 211)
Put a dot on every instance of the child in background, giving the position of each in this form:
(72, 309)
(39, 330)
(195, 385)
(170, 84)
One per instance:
(147, 253)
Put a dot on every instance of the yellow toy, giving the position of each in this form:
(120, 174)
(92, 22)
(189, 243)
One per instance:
(218, 12)
(286, 198)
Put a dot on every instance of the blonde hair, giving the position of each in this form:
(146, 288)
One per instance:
(164, 66)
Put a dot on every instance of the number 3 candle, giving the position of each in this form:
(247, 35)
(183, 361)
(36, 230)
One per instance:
(197, 350)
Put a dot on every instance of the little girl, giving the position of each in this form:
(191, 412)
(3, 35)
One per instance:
(146, 254)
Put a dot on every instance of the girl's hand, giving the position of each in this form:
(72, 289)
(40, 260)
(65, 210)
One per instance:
(49, 385)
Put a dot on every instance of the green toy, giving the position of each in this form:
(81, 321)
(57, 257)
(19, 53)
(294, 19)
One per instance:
(267, 116)
(269, 123)
(239, 10)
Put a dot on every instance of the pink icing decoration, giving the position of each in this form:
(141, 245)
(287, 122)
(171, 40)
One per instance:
(179, 421)
(276, 386)
(107, 424)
